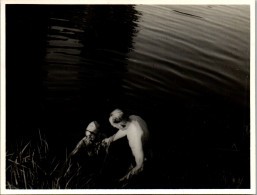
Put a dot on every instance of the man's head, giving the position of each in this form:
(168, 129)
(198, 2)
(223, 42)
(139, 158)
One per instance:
(92, 130)
(117, 119)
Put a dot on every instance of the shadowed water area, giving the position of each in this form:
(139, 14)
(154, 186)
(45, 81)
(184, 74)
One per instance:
(184, 69)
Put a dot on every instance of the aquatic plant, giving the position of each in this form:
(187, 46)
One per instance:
(31, 166)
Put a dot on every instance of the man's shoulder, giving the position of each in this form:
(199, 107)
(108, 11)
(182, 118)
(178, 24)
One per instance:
(135, 117)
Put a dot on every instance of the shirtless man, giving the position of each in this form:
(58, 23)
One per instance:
(135, 129)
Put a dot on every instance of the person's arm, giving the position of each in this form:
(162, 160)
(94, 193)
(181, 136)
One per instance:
(116, 136)
(137, 169)
(119, 134)
(139, 158)
(80, 145)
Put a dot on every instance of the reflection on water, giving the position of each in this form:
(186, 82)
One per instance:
(87, 54)
(184, 69)
(199, 54)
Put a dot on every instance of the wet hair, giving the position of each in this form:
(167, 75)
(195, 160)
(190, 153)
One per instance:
(121, 118)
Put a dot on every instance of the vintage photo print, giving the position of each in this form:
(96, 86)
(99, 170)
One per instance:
(128, 97)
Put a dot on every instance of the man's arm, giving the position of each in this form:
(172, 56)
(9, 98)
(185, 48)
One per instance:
(139, 158)
(119, 134)
(138, 153)
(116, 136)
(80, 145)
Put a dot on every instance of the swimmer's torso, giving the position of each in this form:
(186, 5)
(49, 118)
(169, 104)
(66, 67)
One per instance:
(137, 135)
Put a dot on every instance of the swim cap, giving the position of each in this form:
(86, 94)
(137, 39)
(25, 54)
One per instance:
(93, 127)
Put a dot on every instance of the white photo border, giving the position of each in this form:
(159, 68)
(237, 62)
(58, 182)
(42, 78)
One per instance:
(252, 189)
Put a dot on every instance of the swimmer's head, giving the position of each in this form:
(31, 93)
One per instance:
(117, 119)
(92, 130)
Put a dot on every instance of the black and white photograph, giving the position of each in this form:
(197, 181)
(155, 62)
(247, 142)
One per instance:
(127, 96)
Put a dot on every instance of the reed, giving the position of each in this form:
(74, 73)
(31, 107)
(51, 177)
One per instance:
(31, 166)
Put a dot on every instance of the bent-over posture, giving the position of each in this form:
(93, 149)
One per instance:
(136, 131)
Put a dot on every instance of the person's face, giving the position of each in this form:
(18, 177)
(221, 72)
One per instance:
(90, 135)
(91, 131)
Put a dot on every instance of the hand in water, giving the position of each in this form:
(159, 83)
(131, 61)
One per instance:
(106, 143)
(131, 173)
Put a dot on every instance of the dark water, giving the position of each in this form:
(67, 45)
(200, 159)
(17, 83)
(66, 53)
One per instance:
(184, 69)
